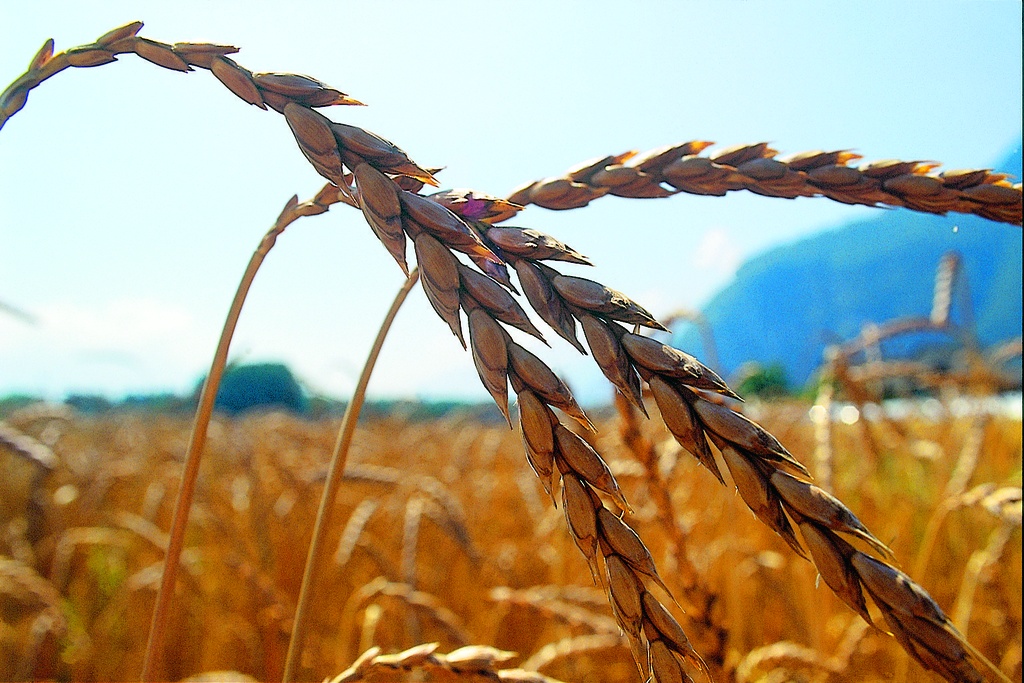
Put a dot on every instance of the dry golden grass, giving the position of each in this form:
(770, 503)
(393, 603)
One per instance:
(487, 559)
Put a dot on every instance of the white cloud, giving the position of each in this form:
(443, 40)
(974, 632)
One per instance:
(718, 252)
(123, 345)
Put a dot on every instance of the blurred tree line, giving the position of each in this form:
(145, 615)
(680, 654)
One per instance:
(258, 387)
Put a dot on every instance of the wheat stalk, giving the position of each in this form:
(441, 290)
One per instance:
(292, 211)
(334, 475)
(384, 183)
(978, 564)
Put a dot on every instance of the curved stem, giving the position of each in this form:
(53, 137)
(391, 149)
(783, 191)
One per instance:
(204, 411)
(193, 456)
(335, 472)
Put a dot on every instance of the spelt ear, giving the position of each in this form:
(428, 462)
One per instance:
(756, 168)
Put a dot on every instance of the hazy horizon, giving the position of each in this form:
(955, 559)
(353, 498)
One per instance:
(133, 196)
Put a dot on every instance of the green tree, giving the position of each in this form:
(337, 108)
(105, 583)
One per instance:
(260, 386)
(764, 381)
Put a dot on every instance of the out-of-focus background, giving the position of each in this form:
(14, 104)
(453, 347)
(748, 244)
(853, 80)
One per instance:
(131, 197)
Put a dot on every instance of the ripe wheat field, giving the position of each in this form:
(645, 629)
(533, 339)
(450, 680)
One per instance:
(442, 533)
(618, 550)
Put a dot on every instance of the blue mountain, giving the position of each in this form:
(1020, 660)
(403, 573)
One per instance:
(785, 305)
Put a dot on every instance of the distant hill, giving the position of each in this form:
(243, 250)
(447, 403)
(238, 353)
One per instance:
(786, 304)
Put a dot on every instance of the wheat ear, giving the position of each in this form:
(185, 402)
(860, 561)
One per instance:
(666, 171)
(261, 89)
(773, 484)
(689, 395)
(617, 556)
(424, 662)
(381, 173)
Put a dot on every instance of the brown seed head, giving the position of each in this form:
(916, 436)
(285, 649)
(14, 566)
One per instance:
(626, 591)
(378, 200)
(313, 134)
(496, 271)
(612, 359)
(160, 54)
(444, 225)
(668, 629)
(585, 171)
(440, 280)
(700, 175)
(535, 419)
(596, 298)
(280, 88)
(653, 161)
(682, 421)
(534, 245)
(42, 56)
(990, 193)
(120, 33)
(585, 461)
(237, 79)
(806, 161)
(497, 300)
(581, 516)
(543, 466)
(89, 56)
(476, 206)
(835, 177)
(741, 431)
(671, 362)
(556, 194)
(888, 168)
(386, 156)
(624, 542)
(894, 589)
(822, 507)
(829, 554)
(538, 376)
(11, 102)
(546, 301)
(487, 342)
(735, 155)
(202, 54)
(664, 667)
(756, 492)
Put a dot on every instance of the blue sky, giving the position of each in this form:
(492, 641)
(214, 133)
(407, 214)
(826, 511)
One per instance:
(132, 197)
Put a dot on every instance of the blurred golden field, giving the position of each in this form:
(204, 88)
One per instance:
(442, 533)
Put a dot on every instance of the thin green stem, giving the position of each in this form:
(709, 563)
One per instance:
(335, 472)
